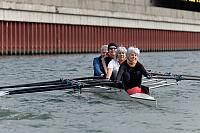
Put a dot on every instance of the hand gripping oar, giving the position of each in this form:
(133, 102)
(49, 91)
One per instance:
(52, 88)
(54, 82)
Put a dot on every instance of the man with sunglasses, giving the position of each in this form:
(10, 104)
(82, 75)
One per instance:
(100, 63)
(112, 49)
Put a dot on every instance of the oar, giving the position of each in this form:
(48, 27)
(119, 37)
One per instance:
(177, 78)
(193, 76)
(170, 74)
(50, 88)
(54, 82)
(160, 74)
(91, 77)
(33, 84)
(66, 83)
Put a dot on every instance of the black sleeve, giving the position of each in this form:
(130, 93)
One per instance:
(143, 70)
(120, 72)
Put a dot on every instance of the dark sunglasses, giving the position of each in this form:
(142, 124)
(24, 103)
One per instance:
(111, 48)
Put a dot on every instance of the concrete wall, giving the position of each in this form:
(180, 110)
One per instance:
(115, 13)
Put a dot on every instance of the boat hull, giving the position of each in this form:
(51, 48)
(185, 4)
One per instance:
(120, 94)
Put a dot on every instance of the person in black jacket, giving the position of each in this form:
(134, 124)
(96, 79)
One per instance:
(131, 72)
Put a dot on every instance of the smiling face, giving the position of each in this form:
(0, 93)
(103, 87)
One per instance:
(132, 59)
(112, 51)
(104, 53)
(121, 56)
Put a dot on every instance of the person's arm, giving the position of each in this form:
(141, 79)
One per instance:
(96, 67)
(109, 73)
(144, 71)
(109, 70)
(119, 80)
(120, 72)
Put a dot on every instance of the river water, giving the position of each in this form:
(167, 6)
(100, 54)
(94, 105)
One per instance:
(178, 109)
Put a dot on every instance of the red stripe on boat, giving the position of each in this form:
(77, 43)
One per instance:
(134, 90)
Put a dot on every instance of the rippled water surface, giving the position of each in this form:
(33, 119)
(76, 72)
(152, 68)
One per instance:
(178, 109)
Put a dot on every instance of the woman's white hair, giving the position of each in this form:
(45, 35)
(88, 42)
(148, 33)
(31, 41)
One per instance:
(104, 47)
(121, 50)
(132, 50)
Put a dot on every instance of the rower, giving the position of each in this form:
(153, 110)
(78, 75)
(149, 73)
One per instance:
(99, 65)
(114, 64)
(112, 48)
(131, 71)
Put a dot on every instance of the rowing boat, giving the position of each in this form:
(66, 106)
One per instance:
(95, 85)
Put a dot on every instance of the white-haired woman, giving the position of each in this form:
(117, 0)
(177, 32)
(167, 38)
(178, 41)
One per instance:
(99, 65)
(131, 71)
(114, 64)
